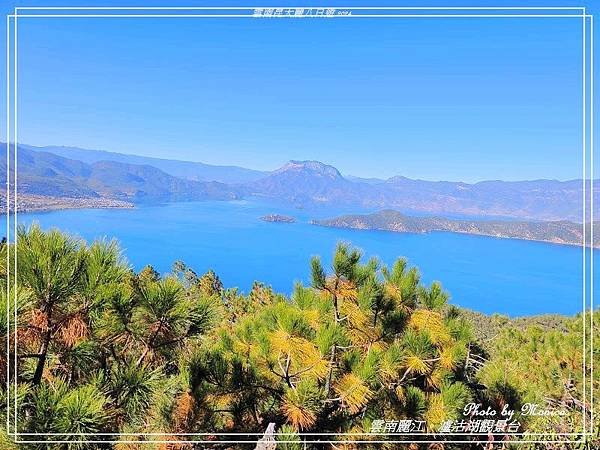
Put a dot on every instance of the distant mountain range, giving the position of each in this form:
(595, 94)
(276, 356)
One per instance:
(558, 232)
(311, 182)
(93, 174)
(43, 173)
(182, 169)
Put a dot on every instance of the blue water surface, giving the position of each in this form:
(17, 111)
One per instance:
(507, 276)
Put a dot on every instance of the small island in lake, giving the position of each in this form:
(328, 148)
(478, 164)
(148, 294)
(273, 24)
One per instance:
(278, 218)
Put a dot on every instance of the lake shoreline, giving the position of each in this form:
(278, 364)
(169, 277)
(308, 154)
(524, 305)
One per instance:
(28, 203)
(504, 238)
(552, 232)
(40, 204)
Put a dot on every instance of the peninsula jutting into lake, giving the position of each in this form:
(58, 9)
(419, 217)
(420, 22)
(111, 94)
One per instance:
(556, 232)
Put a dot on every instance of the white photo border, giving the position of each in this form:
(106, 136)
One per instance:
(205, 12)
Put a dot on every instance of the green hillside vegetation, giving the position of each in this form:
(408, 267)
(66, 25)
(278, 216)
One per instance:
(104, 349)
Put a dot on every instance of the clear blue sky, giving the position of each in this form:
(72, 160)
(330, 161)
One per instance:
(439, 99)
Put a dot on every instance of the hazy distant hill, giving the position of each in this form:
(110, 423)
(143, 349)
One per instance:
(182, 169)
(538, 199)
(48, 174)
(560, 232)
(43, 173)
(305, 182)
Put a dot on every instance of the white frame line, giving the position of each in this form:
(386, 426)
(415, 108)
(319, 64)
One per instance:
(216, 8)
(391, 16)
(584, 16)
(592, 223)
(15, 412)
(8, 321)
(584, 205)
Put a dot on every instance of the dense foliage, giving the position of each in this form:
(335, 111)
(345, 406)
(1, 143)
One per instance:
(103, 349)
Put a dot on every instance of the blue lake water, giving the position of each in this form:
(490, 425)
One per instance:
(511, 277)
